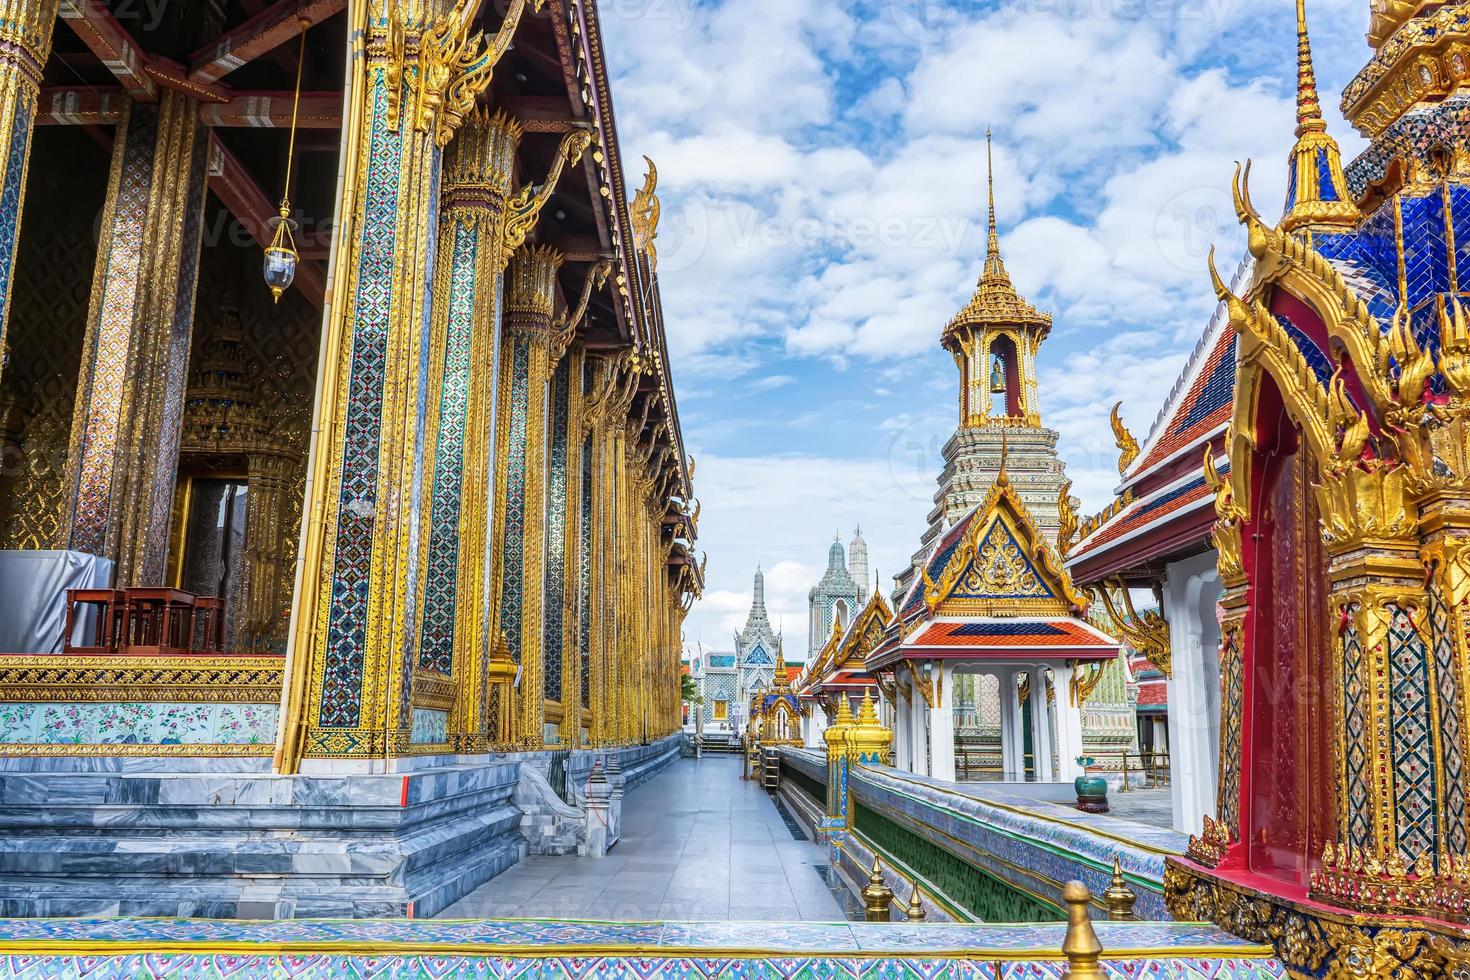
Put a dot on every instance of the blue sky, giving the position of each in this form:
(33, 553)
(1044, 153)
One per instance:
(821, 170)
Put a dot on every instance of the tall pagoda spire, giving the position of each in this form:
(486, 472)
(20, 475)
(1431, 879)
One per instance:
(994, 338)
(1317, 197)
(993, 264)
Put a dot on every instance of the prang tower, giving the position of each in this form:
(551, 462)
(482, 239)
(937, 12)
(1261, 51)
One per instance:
(994, 341)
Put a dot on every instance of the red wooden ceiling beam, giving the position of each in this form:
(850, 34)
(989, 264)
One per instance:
(111, 43)
(79, 105)
(261, 34)
(267, 110)
(239, 192)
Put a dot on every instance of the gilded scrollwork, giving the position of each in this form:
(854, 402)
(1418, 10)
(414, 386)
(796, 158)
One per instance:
(1127, 445)
(1146, 632)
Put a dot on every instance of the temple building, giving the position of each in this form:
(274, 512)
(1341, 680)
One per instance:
(994, 341)
(1155, 538)
(836, 598)
(1340, 832)
(340, 439)
(757, 648)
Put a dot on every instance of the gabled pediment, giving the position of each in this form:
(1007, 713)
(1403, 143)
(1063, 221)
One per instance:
(1001, 565)
(864, 634)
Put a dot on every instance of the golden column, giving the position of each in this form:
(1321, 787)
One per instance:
(530, 296)
(25, 44)
(416, 69)
(612, 391)
(481, 223)
(123, 456)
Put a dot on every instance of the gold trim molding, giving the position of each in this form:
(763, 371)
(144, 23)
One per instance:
(202, 680)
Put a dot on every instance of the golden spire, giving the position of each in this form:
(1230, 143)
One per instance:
(996, 300)
(1316, 201)
(1308, 108)
(993, 264)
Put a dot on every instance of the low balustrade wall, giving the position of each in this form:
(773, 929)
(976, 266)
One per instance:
(983, 853)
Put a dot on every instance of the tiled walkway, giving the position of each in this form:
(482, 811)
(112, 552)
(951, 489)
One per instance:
(698, 844)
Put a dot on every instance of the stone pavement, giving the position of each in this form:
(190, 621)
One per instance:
(698, 844)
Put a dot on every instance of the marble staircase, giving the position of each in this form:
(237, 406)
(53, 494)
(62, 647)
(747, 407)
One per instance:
(245, 845)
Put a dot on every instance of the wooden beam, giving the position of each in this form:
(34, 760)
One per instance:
(80, 105)
(239, 192)
(272, 110)
(538, 113)
(106, 38)
(263, 33)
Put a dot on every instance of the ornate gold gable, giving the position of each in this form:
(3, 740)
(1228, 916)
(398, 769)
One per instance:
(1002, 566)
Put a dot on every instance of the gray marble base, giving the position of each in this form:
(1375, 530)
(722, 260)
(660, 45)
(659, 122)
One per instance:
(253, 845)
(192, 837)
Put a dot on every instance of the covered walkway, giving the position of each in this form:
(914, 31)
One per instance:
(698, 844)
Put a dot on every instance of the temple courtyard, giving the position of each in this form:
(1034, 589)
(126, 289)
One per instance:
(698, 844)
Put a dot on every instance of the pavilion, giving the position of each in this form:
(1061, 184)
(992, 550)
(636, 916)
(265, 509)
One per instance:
(992, 598)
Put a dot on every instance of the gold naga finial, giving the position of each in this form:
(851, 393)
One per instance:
(1067, 520)
(1001, 478)
(645, 212)
(1313, 203)
(1127, 445)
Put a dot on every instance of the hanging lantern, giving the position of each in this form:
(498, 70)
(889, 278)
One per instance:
(281, 257)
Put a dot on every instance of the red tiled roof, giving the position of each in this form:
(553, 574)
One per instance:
(1004, 637)
(1204, 407)
(1152, 693)
(1146, 511)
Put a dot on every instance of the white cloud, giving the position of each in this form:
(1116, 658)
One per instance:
(779, 512)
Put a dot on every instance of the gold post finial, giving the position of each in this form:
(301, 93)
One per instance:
(914, 910)
(1119, 898)
(1308, 107)
(877, 896)
(1080, 946)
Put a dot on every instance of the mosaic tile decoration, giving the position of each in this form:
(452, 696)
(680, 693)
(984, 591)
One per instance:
(405, 664)
(1354, 722)
(1410, 739)
(526, 938)
(1231, 709)
(584, 577)
(513, 547)
(555, 577)
(1000, 555)
(441, 577)
(410, 967)
(163, 475)
(137, 723)
(1441, 626)
(110, 353)
(342, 676)
(12, 186)
(48, 949)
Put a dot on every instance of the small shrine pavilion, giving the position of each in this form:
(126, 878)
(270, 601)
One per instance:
(992, 598)
(840, 669)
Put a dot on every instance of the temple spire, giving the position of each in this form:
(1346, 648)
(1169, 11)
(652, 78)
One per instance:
(1317, 197)
(993, 264)
(1308, 107)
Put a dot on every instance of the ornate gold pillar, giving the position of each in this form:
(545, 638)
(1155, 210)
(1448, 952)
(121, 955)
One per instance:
(565, 604)
(481, 223)
(25, 44)
(123, 457)
(530, 294)
(416, 70)
(454, 632)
